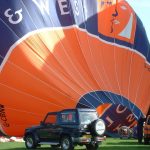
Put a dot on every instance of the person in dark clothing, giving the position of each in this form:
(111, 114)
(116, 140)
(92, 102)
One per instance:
(140, 129)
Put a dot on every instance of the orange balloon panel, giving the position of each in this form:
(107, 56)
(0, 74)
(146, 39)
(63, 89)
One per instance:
(120, 21)
(65, 56)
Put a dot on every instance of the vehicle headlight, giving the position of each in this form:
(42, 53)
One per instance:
(100, 127)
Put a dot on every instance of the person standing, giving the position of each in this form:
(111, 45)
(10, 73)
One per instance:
(140, 129)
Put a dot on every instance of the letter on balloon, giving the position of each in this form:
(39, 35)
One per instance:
(63, 6)
(9, 15)
(119, 111)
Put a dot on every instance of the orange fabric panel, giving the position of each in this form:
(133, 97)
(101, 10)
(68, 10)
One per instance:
(102, 108)
(112, 21)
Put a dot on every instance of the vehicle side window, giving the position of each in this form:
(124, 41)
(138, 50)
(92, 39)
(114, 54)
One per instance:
(66, 117)
(50, 119)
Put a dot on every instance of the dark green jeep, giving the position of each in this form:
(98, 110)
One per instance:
(66, 129)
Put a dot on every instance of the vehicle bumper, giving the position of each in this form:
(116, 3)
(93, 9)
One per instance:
(88, 139)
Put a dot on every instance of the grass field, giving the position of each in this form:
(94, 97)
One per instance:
(109, 144)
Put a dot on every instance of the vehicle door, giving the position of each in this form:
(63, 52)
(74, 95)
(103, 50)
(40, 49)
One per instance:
(49, 130)
(67, 120)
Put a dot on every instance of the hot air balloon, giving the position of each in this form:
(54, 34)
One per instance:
(57, 54)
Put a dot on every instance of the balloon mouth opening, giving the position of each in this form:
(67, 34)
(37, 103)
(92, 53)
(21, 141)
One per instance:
(114, 109)
(102, 100)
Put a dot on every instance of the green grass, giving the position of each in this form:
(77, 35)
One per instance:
(109, 144)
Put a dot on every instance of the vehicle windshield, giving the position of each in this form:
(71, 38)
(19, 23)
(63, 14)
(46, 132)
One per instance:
(87, 117)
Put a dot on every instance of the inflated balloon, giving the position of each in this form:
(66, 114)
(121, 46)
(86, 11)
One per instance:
(57, 54)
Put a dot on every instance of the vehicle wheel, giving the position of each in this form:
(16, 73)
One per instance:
(146, 140)
(92, 146)
(66, 143)
(88, 146)
(30, 142)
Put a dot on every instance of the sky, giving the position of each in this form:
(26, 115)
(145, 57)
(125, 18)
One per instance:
(142, 9)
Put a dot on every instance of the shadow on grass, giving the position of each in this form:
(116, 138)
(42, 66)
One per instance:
(43, 148)
(110, 144)
(143, 147)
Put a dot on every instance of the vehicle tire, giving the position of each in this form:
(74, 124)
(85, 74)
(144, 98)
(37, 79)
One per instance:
(146, 140)
(66, 143)
(92, 146)
(30, 142)
(88, 146)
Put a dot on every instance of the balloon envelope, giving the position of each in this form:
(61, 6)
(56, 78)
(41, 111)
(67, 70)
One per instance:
(57, 54)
